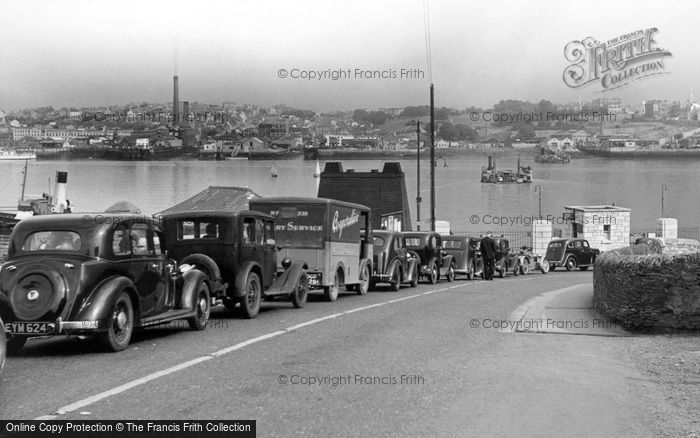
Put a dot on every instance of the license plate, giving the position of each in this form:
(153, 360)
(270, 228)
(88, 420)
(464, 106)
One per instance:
(29, 328)
(313, 280)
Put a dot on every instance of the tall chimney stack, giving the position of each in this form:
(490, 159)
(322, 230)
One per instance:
(176, 103)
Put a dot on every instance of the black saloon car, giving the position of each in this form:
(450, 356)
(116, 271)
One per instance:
(102, 275)
(392, 263)
(466, 254)
(238, 252)
(434, 262)
(571, 253)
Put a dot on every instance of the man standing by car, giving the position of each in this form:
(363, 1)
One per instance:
(488, 253)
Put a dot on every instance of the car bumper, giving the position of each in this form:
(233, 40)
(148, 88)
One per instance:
(57, 327)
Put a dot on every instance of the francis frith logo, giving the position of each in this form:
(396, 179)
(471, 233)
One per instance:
(616, 62)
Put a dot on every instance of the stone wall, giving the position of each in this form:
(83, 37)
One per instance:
(650, 285)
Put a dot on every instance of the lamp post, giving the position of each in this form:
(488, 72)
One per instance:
(418, 197)
(663, 189)
(538, 189)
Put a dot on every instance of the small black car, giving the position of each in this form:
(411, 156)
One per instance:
(466, 254)
(392, 263)
(103, 275)
(433, 261)
(238, 252)
(571, 253)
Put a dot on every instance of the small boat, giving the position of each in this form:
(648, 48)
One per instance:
(11, 154)
(273, 170)
(318, 170)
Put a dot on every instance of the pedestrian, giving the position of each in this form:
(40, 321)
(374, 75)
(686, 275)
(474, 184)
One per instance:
(488, 253)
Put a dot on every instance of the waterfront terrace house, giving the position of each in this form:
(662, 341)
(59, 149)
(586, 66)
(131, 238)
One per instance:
(215, 198)
(605, 227)
(562, 141)
(384, 192)
(250, 144)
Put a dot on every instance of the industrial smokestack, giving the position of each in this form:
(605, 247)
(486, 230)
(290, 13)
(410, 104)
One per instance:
(59, 197)
(186, 112)
(176, 103)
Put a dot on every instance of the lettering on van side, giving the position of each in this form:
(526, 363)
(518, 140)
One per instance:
(340, 224)
(291, 227)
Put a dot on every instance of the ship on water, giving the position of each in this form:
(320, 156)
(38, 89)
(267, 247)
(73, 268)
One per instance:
(635, 148)
(489, 174)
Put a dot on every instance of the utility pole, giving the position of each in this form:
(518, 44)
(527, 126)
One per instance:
(432, 158)
(418, 198)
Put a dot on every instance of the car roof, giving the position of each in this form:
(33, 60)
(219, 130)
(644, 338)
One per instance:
(294, 200)
(420, 233)
(384, 232)
(214, 214)
(79, 221)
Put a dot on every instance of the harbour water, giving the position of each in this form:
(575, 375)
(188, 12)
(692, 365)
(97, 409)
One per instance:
(461, 198)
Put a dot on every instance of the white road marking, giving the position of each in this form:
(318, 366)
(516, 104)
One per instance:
(246, 343)
(313, 321)
(153, 376)
(119, 389)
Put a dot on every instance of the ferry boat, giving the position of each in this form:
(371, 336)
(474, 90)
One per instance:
(489, 174)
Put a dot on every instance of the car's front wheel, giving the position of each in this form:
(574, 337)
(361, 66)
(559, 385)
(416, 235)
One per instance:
(250, 302)
(201, 307)
(434, 273)
(396, 280)
(414, 279)
(544, 266)
(300, 291)
(450, 274)
(120, 324)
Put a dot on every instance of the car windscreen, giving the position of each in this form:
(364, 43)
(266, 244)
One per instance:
(452, 244)
(413, 242)
(52, 241)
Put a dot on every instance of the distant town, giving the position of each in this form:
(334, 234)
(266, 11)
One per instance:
(231, 130)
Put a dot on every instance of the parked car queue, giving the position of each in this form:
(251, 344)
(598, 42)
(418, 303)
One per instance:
(68, 276)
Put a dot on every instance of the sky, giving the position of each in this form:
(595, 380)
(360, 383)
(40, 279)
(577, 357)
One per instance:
(95, 53)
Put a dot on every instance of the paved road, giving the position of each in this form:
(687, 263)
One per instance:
(407, 363)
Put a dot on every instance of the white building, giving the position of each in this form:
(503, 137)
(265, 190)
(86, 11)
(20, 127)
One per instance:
(605, 227)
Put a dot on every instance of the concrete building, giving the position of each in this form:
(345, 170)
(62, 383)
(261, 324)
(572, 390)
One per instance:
(605, 227)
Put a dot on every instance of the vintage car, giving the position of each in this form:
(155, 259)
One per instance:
(529, 261)
(571, 253)
(3, 344)
(433, 261)
(239, 254)
(466, 254)
(102, 275)
(506, 260)
(326, 233)
(392, 263)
